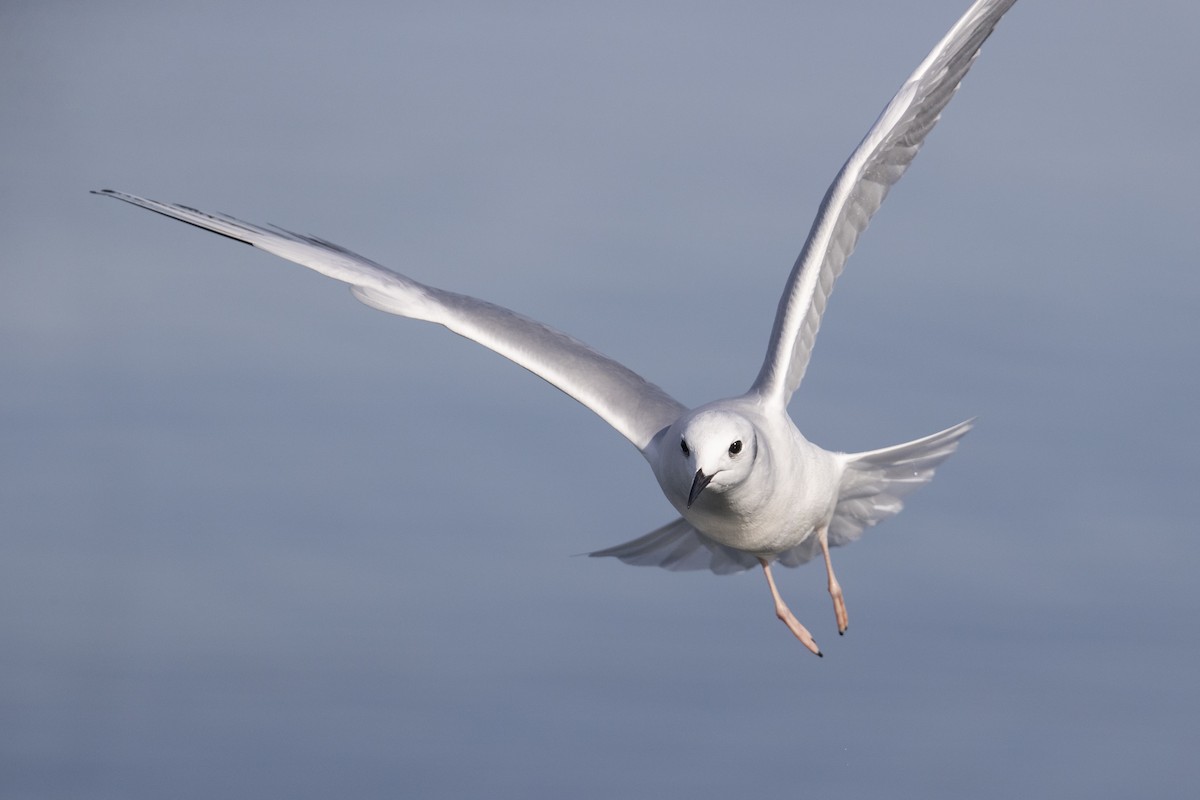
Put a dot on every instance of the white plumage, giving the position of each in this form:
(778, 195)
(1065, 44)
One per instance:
(749, 488)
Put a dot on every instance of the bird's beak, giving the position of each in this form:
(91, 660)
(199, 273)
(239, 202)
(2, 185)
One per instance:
(698, 486)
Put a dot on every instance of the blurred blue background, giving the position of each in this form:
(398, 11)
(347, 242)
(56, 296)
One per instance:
(259, 540)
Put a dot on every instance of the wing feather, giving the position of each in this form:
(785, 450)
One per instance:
(679, 547)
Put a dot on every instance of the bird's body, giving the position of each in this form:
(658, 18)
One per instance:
(749, 488)
(787, 488)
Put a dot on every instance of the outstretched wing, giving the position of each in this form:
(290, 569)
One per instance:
(859, 189)
(679, 547)
(636, 408)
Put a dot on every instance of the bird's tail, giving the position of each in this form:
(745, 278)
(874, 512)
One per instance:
(873, 482)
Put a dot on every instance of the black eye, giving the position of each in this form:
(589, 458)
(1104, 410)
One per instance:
(735, 448)
(683, 446)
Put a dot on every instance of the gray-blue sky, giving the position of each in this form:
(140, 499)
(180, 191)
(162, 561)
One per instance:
(260, 540)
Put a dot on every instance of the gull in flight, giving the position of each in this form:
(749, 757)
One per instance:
(750, 490)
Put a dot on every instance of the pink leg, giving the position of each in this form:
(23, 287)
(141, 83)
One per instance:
(785, 614)
(835, 588)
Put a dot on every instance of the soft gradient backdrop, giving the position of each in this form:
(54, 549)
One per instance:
(261, 541)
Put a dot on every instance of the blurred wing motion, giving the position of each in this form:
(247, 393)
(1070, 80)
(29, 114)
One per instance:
(859, 189)
(636, 408)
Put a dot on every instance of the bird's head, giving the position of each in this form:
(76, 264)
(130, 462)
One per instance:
(714, 449)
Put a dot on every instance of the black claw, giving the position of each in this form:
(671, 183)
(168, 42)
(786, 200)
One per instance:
(820, 654)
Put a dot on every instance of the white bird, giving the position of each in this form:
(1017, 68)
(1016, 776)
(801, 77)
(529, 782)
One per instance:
(749, 488)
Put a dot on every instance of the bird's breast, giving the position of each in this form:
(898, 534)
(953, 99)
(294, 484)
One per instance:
(767, 530)
(770, 512)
